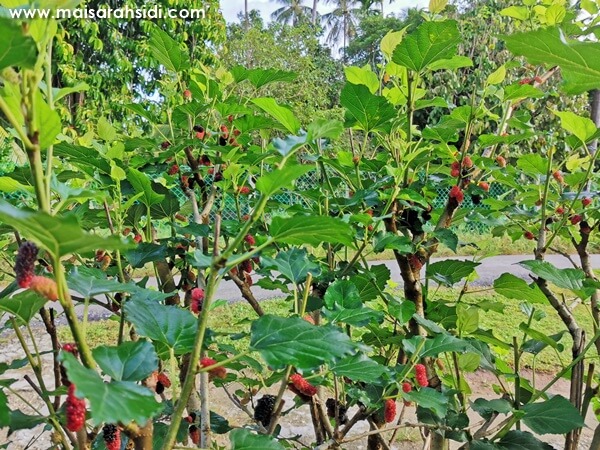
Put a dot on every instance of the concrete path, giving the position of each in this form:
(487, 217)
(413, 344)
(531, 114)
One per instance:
(488, 270)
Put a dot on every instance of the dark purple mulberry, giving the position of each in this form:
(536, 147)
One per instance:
(264, 409)
(25, 262)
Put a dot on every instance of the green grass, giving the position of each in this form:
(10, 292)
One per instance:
(236, 318)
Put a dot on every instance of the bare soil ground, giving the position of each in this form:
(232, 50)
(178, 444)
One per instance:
(295, 424)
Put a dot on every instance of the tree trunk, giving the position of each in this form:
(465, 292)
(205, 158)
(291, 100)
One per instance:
(595, 115)
(314, 12)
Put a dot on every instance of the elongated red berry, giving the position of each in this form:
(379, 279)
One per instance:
(501, 161)
(421, 375)
(249, 239)
(197, 300)
(529, 235)
(467, 162)
(75, 410)
(586, 201)
(112, 437)
(457, 194)
(575, 219)
(25, 262)
(244, 190)
(560, 210)
(164, 379)
(187, 94)
(46, 287)
(217, 372)
(455, 169)
(484, 185)
(173, 169)
(406, 387)
(137, 238)
(558, 176)
(303, 386)
(389, 410)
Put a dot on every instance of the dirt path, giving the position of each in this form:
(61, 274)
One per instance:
(296, 423)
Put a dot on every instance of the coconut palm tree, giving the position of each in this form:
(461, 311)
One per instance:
(343, 20)
(291, 11)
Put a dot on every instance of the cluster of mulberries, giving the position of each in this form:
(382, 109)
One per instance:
(389, 410)
(75, 410)
(25, 262)
(300, 385)
(112, 437)
(342, 417)
(421, 375)
(217, 372)
(264, 409)
(162, 382)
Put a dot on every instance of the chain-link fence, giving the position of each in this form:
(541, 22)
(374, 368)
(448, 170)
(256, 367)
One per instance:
(229, 208)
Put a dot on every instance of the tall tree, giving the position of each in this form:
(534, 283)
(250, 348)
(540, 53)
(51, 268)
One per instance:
(291, 11)
(314, 11)
(342, 22)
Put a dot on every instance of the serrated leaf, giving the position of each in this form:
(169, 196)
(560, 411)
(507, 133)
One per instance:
(579, 61)
(450, 272)
(278, 179)
(359, 368)
(372, 282)
(441, 343)
(522, 440)
(497, 76)
(167, 50)
(170, 325)
(581, 127)
(571, 279)
(324, 129)
(554, 416)
(430, 399)
(533, 164)
(390, 41)
(342, 293)
(294, 264)
(456, 62)
(485, 408)
(362, 76)
(145, 252)
(293, 341)
(114, 402)
(390, 241)
(141, 183)
(243, 439)
(23, 306)
(17, 48)
(430, 42)
(364, 110)
(437, 6)
(281, 114)
(130, 361)
(516, 288)
(311, 230)
(60, 236)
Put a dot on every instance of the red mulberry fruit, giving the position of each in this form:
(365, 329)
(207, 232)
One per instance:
(421, 375)
(264, 409)
(197, 300)
(112, 437)
(75, 410)
(25, 262)
(389, 410)
(575, 219)
(173, 169)
(467, 162)
(457, 194)
(249, 239)
(586, 201)
(406, 387)
(218, 372)
(302, 385)
(244, 190)
(46, 287)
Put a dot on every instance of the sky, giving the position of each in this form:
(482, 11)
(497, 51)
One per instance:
(231, 8)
